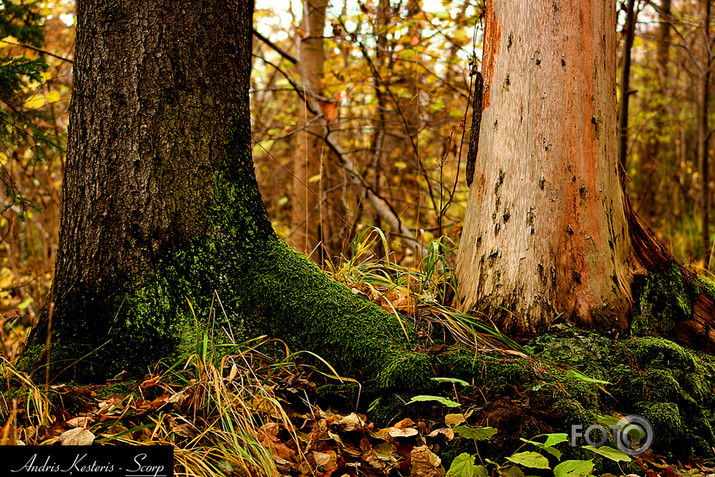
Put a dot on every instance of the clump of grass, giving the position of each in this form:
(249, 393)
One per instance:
(423, 293)
(214, 409)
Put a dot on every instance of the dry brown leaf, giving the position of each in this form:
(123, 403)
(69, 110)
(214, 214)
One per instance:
(336, 438)
(382, 434)
(150, 382)
(408, 432)
(406, 422)
(271, 429)
(183, 430)
(425, 463)
(79, 436)
(446, 432)
(326, 460)
(384, 451)
(81, 421)
(352, 422)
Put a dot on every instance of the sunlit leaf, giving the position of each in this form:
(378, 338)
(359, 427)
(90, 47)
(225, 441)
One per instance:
(530, 459)
(609, 453)
(439, 399)
(478, 433)
(574, 468)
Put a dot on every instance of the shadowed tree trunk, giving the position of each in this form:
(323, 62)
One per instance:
(161, 210)
(704, 133)
(630, 33)
(548, 233)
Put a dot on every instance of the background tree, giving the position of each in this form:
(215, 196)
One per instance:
(33, 84)
(317, 210)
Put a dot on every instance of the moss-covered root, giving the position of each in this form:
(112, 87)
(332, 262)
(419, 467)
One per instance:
(298, 303)
(676, 304)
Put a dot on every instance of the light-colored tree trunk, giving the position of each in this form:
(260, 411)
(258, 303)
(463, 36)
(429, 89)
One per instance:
(545, 232)
(317, 211)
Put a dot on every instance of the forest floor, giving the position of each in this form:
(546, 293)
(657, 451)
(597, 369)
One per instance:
(258, 409)
(247, 414)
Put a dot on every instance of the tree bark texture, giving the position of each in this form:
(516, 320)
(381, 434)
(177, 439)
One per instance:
(545, 233)
(162, 213)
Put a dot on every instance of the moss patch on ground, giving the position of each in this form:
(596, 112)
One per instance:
(667, 384)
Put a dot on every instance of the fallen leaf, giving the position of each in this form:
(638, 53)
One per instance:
(454, 419)
(150, 382)
(406, 422)
(82, 421)
(445, 432)
(326, 460)
(79, 436)
(409, 432)
(352, 422)
(425, 463)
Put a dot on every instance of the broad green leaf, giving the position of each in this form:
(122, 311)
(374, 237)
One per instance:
(451, 380)
(478, 433)
(583, 377)
(574, 468)
(439, 399)
(53, 96)
(609, 453)
(530, 459)
(462, 466)
(607, 421)
(551, 450)
(556, 438)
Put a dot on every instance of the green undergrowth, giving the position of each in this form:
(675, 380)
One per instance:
(665, 299)
(579, 376)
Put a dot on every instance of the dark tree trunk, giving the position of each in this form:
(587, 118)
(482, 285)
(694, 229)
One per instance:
(630, 34)
(704, 135)
(161, 206)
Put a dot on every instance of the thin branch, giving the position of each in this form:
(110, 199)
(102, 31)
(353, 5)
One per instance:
(275, 47)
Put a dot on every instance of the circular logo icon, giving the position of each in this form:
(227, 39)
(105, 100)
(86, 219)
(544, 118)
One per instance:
(633, 435)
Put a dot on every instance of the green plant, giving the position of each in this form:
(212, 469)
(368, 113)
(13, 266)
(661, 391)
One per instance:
(464, 465)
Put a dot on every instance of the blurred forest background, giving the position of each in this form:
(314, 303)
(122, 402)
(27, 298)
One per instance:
(361, 119)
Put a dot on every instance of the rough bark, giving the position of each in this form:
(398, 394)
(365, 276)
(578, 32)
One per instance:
(161, 208)
(549, 233)
(545, 233)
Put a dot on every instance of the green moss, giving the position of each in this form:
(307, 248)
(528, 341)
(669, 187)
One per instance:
(122, 388)
(664, 299)
(409, 371)
(666, 420)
